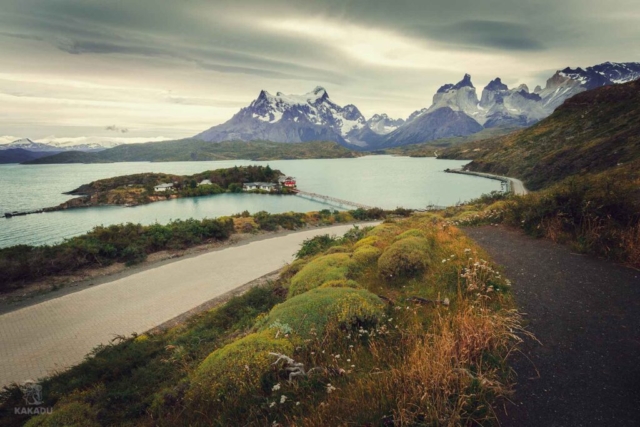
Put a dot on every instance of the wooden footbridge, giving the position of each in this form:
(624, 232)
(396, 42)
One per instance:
(315, 196)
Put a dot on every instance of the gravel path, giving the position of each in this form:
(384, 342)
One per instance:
(56, 334)
(586, 313)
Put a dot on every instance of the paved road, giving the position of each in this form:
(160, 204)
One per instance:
(585, 311)
(517, 186)
(57, 334)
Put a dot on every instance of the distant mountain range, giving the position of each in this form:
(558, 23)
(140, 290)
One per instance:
(455, 111)
(593, 132)
(56, 147)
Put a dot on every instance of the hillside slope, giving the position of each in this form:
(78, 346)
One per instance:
(19, 155)
(198, 150)
(592, 132)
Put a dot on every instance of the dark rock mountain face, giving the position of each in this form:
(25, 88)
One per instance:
(455, 111)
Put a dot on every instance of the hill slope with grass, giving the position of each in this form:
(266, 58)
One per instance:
(403, 324)
(592, 132)
(197, 150)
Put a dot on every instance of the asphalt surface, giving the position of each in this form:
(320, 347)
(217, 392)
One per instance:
(586, 313)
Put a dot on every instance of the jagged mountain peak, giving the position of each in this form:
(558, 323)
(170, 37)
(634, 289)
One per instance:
(382, 124)
(496, 85)
(465, 82)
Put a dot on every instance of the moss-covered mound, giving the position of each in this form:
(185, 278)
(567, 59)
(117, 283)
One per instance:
(320, 270)
(239, 371)
(75, 414)
(414, 232)
(405, 258)
(324, 309)
(342, 283)
(385, 230)
(366, 255)
(367, 241)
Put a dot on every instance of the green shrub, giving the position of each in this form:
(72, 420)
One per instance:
(410, 233)
(316, 245)
(366, 255)
(385, 230)
(233, 381)
(320, 270)
(338, 250)
(73, 414)
(342, 283)
(367, 241)
(405, 258)
(325, 308)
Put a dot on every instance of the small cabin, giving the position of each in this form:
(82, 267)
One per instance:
(288, 181)
(205, 182)
(161, 188)
(262, 186)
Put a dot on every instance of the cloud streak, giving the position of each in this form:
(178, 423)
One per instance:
(118, 62)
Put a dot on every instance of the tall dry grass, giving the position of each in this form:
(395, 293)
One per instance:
(449, 375)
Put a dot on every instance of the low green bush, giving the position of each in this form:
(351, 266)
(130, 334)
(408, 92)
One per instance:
(320, 270)
(410, 233)
(342, 283)
(366, 255)
(233, 381)
(316, 245)
(405, 258)
(367, 241)
(325, 308)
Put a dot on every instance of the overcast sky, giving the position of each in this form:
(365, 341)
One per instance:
(142, 69)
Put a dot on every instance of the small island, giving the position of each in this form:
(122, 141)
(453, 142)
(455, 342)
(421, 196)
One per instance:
(144, 188)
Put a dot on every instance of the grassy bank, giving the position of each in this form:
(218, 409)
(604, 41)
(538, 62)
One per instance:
(132, 243)
(596, 214)
(402, 324)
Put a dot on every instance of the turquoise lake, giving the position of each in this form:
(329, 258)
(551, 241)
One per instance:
(383, 181)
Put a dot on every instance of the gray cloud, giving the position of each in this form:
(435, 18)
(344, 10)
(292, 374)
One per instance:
(489, 34)
(115, 128)
(215, 55)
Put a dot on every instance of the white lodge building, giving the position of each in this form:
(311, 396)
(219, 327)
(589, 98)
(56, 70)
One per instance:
(160, 188)
(263, 186)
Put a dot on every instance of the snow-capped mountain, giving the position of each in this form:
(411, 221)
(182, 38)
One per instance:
(455, 110)
(57, 146)
(30, 145)
(291, 118)
(568, 82)
(382, 124)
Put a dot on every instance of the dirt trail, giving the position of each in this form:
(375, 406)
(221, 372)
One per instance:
(586, 313)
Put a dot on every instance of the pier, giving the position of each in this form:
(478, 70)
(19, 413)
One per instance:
(331, 199)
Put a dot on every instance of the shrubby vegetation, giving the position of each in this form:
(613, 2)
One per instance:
(132, 243)
(352, 350)
(324, 310)
(139, 188)
(596, 214)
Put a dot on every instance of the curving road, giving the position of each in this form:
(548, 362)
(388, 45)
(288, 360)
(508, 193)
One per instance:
(58, 333)
(517, 187)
